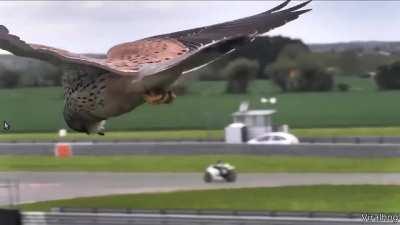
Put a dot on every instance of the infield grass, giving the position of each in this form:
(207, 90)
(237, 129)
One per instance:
(243, 163)
(207, 107)
(170, 135)
(337, 198)
(194, 135)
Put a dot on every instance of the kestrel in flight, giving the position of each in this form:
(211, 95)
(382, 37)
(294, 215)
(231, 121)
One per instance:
(142, 71)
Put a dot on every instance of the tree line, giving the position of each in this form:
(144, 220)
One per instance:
(289, 64)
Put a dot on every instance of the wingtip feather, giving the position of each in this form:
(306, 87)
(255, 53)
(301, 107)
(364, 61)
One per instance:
(280, 6)
(296, 7)
(3, 29)
(299, 12)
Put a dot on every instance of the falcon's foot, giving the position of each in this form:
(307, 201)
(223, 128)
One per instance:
(157, 97)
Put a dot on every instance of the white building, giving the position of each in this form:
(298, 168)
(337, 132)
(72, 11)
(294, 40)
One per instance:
(255, 123)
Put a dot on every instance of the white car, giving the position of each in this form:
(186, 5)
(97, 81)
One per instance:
(275, 138)
(220, 172)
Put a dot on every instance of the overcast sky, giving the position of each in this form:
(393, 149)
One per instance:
(96, 26)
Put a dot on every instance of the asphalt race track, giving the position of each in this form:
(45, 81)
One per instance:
(195, 148)
(41, 186)
(44, 186)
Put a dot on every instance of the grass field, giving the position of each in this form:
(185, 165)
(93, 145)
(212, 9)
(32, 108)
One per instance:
(208, 108)
(120, 136)
(244, 164)
(348, 131)
(193, 135)
(359, 198)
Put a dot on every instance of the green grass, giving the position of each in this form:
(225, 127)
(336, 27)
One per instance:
(208, 108)
(356, 83)
(340, 198)
(244, 164)
(121, 136)
(209, 135)
(349, 131)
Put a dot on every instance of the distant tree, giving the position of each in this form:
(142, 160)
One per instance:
(371, 62)
(239, 74)
(293, 51)
(300, 74)
(377, 49)
(31, 72)
(343, 87)
(8, 78)
(208, 73)
(279, 72)
(310, 78)
(388, 76)
(53, 77)
(349, 62)
(264, 50)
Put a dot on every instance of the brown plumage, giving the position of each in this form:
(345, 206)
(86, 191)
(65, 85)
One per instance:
(142, 71)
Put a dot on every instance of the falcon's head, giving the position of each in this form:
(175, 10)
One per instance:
(84, 123)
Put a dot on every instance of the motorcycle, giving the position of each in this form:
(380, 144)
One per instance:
(220, 172)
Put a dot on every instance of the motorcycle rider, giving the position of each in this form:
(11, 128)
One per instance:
(220, 166)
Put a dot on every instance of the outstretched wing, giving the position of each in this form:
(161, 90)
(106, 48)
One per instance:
(248, 26)
(155, 54)
(194, 47)
(15, 45)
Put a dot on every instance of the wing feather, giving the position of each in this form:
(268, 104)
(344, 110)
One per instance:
(256, 24)
(204, 44)
(152, 55)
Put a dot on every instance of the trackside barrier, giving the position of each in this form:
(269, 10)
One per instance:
(54, 218)
(10, 217)
(209, 212)
(331, 140)
(352, 140)
(195, 148)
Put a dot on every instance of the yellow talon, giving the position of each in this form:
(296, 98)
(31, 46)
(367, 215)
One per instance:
(159, 97)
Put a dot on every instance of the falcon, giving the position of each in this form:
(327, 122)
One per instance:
(142, 71)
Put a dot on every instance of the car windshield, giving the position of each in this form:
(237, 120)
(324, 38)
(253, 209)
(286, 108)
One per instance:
(278, 138)
(264, 138)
